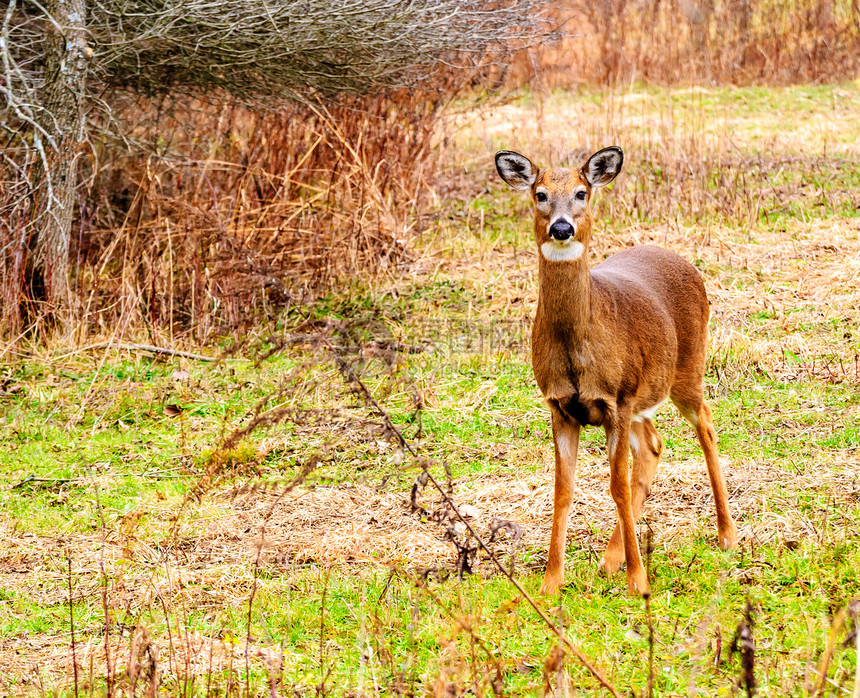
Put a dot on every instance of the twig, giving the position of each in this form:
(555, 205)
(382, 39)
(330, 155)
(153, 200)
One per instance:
(650, 686)
(165, 475)
(827, 679)
(32, 478)
(105, 596)
(140, 347)
(251, 611)
(72, 624)
(744, 644)
(349, 374)
(857, 648)
(824, 661)
(321, 691)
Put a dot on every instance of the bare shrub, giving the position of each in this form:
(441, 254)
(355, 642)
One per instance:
(298, 47)
(335, 58)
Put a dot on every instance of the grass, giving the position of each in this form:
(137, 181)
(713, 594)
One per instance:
(354, 594)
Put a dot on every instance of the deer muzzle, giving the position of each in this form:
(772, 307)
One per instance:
(561, 230)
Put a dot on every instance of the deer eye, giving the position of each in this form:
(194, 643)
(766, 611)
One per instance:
(580, 195)
(540, 196)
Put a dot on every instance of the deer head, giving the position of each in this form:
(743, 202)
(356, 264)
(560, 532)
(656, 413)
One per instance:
(561, 198)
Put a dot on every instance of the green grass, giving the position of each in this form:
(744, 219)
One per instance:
(698, 591)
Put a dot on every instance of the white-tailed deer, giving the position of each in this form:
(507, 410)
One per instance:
(609, 345)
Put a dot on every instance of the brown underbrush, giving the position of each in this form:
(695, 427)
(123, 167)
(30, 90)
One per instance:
(218, 214)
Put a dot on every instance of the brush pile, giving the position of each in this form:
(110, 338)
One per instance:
(214, 153)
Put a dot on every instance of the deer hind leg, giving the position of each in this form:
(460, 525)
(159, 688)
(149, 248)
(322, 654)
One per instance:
(565, 436)
(700, 417)
(617, 439)
(647, 446)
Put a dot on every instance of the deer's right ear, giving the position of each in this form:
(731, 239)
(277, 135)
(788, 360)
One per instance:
(517, 170)
(603, 166)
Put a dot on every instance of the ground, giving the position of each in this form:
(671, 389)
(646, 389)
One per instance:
(165, 497)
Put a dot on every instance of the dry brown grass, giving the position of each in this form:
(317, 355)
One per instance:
(207, 216)
(701, 42)
(265, 210)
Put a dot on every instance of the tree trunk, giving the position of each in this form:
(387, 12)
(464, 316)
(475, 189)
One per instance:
(62, 116)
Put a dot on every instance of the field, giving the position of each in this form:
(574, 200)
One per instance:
(254, 525)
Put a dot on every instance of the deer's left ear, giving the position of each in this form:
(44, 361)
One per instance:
(517, 170)
(603, 166)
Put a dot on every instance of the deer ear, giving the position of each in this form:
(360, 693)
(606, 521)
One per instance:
(603, 166)
(517, 170)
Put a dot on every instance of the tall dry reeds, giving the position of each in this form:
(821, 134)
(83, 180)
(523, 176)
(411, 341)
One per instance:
(775, 42)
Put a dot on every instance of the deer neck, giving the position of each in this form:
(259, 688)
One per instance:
(565, 297)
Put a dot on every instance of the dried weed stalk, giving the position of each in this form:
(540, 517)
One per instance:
(744, 644)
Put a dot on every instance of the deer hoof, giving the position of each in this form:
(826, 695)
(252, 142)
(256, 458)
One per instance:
(637, 584)
(551, 586)
(728, 537)
(610, 563)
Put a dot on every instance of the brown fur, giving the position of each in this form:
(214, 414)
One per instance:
(608, 344)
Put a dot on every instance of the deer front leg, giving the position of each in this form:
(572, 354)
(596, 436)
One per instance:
(617, 440)
(647, 445)
(565, 436)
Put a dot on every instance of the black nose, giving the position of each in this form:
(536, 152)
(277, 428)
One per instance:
(561, 230)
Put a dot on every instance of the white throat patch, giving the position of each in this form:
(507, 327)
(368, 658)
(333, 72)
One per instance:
(558, 251)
